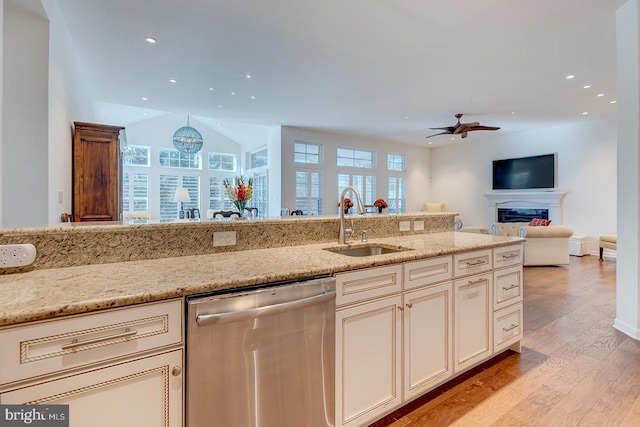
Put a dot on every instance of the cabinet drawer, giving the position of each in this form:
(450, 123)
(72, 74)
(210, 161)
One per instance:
(507, 255)
(507, 327)
(46, 347)
(427, 272)
(472, 262)
(361, 285)
(507, 287)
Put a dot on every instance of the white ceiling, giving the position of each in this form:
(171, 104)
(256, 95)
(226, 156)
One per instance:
(380, 68)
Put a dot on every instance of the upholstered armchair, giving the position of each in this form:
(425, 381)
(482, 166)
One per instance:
(543, 246)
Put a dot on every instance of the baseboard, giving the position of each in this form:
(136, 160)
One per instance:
(626, 329)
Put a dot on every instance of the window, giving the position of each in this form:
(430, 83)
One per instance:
(135, 191)
(258, 159)
(259, 196)
(218, 199)
(309, 192)
(355, 158)
(168, 186)
(366, 185)
(224, 162)
(135, 155)
(175, 159)
(396, 162)
(306, 153)
(397, 194)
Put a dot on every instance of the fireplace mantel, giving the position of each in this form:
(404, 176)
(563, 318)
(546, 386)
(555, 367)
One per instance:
(551, 200)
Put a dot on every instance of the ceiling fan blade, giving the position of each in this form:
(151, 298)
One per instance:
(449, 129)
(483, 128)
(436, 134)
(466, 126)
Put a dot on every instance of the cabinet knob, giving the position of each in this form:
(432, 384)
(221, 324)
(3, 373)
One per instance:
(401, 308)
(409, 305)
(177, 370)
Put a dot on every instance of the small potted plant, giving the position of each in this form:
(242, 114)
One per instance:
(348, 204)
(380, 204)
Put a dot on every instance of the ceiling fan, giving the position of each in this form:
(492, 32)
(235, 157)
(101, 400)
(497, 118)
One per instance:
(461, 128)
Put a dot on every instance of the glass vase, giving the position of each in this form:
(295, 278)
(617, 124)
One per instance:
(240, 206)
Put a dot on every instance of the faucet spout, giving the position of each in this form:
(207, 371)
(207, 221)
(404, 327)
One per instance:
(342, 238)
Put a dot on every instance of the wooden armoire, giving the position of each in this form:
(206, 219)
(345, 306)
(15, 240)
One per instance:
(96, 172)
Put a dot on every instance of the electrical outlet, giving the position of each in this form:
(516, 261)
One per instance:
(17, 255)
(224, 238)
(418, 225)
(405, 225)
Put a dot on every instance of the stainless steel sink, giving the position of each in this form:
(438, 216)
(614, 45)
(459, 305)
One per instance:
(368, 250)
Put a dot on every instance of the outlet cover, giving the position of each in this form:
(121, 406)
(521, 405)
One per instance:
(405, 225)
(17, 255)
(224, 238)
(418, 225)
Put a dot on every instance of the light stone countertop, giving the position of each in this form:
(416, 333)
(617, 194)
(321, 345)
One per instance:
(49, 293)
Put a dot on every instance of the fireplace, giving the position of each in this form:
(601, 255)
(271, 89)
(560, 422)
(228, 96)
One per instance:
(521, 206)
(521, 214)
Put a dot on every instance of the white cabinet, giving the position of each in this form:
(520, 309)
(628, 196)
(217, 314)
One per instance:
(473, 329)
(368, 360)
(427, 338)
(142, 392)
(115, 367)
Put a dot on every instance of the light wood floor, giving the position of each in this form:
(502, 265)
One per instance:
(575, 368)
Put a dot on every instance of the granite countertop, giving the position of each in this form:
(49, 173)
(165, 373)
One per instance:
(50, 293)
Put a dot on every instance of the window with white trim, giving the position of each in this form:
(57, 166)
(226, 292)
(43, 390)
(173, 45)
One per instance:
(168, 185)
(223, 162)
(397, 194)
(136, 155)
(175, 159)
(257, 159)
(304, 152)
(355, 158)
(218, 199)
(259, 194)
(396, 162)
(135, 191)
(365, 184)
(309, 191)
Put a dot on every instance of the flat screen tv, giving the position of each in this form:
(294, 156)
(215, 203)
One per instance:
(525, 173)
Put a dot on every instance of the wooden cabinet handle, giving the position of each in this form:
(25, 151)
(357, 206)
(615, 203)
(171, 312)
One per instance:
(510, 256)
(509, 288)
(177, 370)
(479, 262)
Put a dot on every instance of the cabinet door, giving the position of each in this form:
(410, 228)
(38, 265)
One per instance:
(368, 361)
(473, 315)
(142, 392)
(428, 334)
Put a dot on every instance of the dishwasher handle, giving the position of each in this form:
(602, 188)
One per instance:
(236, 316)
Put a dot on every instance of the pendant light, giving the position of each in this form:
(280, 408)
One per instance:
(187, 140)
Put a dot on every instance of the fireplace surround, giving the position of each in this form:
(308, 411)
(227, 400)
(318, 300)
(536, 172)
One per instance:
(531, 202)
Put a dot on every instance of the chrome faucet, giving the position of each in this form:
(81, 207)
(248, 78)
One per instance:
(342, 238)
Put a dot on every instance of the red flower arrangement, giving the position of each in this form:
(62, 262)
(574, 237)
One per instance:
(380, 203)
(347, 203)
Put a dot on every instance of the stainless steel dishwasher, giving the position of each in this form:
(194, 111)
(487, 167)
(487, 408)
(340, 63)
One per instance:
(262, 358)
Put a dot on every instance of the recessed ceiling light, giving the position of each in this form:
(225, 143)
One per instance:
(144, 98)
(172, 80)
(210, 88)
(252, 97)
(219, 106)
(248, 76)
(601, 94)
(612, 102)
(406, 117)
(150, 40)
(430, 143)
(452, 138)
(513, 112)
(233, 93)
(586, 86)
(569, 77)
(584, 113)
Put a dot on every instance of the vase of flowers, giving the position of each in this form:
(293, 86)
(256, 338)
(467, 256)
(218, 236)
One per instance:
(239, 192)
(380, 204)
(348, 204)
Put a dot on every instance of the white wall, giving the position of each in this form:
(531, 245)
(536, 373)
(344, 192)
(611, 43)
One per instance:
(417, 166)
(461, 174)
(25, 117)
(69, 101)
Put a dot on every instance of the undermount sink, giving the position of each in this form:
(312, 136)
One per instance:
(368, 250)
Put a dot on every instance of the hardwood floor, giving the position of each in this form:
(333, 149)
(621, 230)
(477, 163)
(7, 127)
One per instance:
(575, 368)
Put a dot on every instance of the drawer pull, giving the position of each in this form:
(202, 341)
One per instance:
(516, 255)
(473, 282)
(479, 262)
(510, 287)
(510, 328)
(409, 304)
(75, 343)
